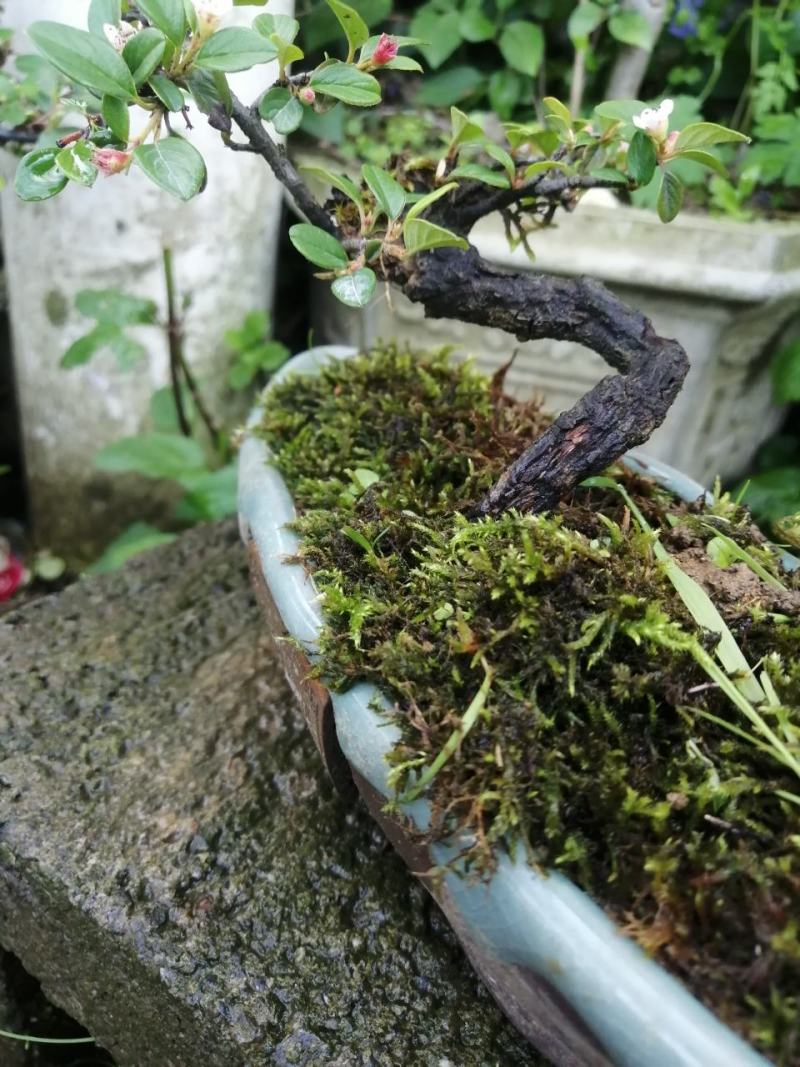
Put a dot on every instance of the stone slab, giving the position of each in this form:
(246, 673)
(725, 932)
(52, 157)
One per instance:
(174, 867)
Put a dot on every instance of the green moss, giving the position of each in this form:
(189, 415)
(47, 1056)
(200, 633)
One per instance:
(593, 744)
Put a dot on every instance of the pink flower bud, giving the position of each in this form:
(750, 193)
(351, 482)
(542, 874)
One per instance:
(12, 575)
(307, 95)
(669, 144)
(111, 160)
(385, 50)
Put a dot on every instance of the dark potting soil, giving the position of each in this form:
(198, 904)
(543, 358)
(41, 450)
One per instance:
(607, 741)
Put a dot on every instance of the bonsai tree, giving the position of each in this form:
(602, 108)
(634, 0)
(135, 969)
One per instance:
(142, 70)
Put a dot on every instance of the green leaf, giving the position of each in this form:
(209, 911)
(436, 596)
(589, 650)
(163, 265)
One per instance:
(505, 90)
(284, 26)
(76, 162)
(82, 350)
(557, 111)
(786, 374)
(116, 308)
(703, 134)
(641, 158)
(347, 83)
(359, 539)
(451, 86)
(174, 165)
(154, 455)
(138, 538)
(167, 92)
(463, 128)
(477, 172)
(210, 90)
(522, 46)
(268, 356)
(144, 52)
(210, 496)
(705, 159)
(320, 248)
(84, 59)
(355, 29)
(164, 410)
(287, 53)
(419, 235)
(425, 202)
(117, 117)
(282, 109)
(620, 110)
(502, 157)
(101, 12)
(38, 177)
(583, 21)
(670, 196)
(440, 32)
(543, 166)
(336, 181)
(321, 27)
(169, 16)
(389, 194)
(356, 289)
(235, 48)
(128, 352)
(631, 27)
(475, 26)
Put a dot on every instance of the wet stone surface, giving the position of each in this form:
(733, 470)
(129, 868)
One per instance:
(173, 866)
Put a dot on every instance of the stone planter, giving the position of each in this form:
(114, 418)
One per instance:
(726, 290)
(559, 968)
(111, 236)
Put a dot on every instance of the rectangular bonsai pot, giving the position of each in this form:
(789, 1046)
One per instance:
(580, 991)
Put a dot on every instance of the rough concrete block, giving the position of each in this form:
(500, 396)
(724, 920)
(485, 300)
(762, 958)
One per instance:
(175, 868)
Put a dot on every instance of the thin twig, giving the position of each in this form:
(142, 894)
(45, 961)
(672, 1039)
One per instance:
(175, 342)
(179, 365)
(249, 122)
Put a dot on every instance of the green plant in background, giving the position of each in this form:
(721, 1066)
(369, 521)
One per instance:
(184, 444)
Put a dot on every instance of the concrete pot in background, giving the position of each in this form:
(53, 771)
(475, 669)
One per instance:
(225, 245)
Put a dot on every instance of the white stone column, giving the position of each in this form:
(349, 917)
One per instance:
(225, 245)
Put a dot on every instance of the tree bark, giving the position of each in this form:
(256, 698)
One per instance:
(619, 413)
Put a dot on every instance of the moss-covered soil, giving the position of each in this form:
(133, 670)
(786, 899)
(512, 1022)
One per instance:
(601, 743)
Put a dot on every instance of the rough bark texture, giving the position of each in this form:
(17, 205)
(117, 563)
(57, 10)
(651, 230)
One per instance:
(619, 413)
(175, 867)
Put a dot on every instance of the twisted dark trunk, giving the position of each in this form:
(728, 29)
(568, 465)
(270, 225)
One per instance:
(619, 413)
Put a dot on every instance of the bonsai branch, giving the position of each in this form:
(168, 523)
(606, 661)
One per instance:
(250, 123)
(617, 414)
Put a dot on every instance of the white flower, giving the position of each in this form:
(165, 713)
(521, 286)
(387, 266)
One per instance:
(655, 120)
(211, 12)
(118, 36)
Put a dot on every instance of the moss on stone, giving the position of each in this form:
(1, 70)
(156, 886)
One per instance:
(594, 746)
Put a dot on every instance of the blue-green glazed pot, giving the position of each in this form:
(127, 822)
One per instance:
(580, 991)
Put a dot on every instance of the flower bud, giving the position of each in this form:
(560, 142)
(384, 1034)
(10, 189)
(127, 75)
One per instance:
(655, 120)
(210, 13)
(118, 36)
(111, 160)
(307, 95)
(385, 50)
